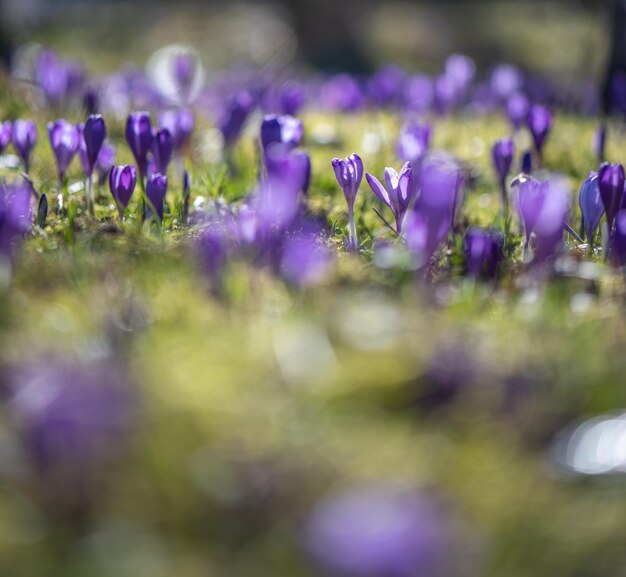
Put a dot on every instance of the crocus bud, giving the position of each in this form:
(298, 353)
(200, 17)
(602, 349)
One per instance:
(5, 135)
(551, 221)
(527, 163)
(156, 189)
(64, 140)
(539, 123)
(24, 137)
(397, 194)
(186, 195)
(349, 173)
(281, 130)
(180, 123)
(183, 71)
(106, 160)
(591, 206)
(517, 107)
(139, 138)
(611, 184)
(503, 151)
(413, 143)
(234, 117)
(122, 181)
(162, 149)
(530, 197)
(94, 133)
(292, 97)
(483, 252)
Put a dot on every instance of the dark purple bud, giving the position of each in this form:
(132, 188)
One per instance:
(517, 109)
(539, 123)
(122, 181)
(398, 192)
(599, 142)
(349, 173)
(618, 240)
(503, 151)
(180, 123)
(591, 205)
(419, 93)
(64, 139)
(139, 138)
(5, 135)
(483, 252)
(413, 143)
(377, 531)
(186, 195)
(281, 130)
(91, 101)
(24, 137)
(611, 184)
(527, 162)
(156, 189)
(94, 133)
(233, 119)
(162, 149)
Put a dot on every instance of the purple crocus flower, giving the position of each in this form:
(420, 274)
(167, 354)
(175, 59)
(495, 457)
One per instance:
(286, 131)
(502, 154)
(461, 70)
(385, 87)
(139, 138)
(291, 98)
(15, 218)
(212, 251)
(419, 93)
(122, 181)
(184, 66)
(413, 143)
(305, 260)
(551, 221)
(234, 117)
(539, 123)
(527, 163)
(517, 108)
(397, 194)
(94, 133)
(156, 189)
(530, 197)
(106, 159)
(505, 81)
(611, 185)
(5, 135)
(483, 252)
(64, 140)
(618, 240)
(180, 122)
(342, 93)
(378, 531)
(24, 137)
(591, 205)
(162, 149)
(349, 173)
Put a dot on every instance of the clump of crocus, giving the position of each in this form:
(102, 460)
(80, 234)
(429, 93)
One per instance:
(139, 137)
(64, 140)
(591, 206)
(483, 252)
(24, 138)
(539, 123)
(5, 135)
(284, 131)
(376, 531)
(397, 194)
(502, 154)
(162, 149)
(611, 184)
(122, 181)
(349, 173)
(156, 189)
